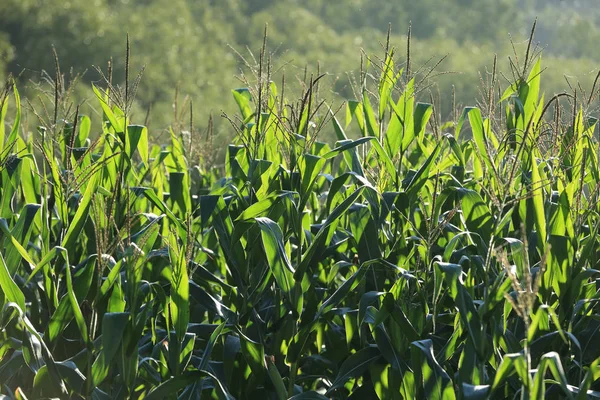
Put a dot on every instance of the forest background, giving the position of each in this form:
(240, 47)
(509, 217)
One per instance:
(196, 49)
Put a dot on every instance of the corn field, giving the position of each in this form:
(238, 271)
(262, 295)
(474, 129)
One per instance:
(419, 259)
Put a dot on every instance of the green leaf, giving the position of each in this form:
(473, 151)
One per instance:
(510, 364)
(14, 132)
(81, 214)
(137, 138)
(173, 385)
(180, 288)
(276, 380)
(162, 207)
(549, 361)
(475, 392)
(15, 245)
(416, 183)
(404, 111)
(476, 213)
(254, 353)
(538, 204)
(243, 98)
(354, 366)
(479, 134)
(10, 289)
(310, 167)
(279, 262)
(317, 245)
(81, 323)
(263, 206)
(337, 127)
(347, 145)
(210, 345)
(386, 83)
(3, 110)
(117, 125)
(113, 327)
(436, 382)
(421, 117)
(21, 232)
(463, 300)
(310, 395)
(342, 291)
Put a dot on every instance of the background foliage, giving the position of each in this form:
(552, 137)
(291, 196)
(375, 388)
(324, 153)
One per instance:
(186, 43)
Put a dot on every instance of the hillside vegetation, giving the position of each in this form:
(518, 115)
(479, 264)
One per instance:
(188, 44)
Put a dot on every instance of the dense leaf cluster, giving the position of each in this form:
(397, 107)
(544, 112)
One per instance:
(419, 260)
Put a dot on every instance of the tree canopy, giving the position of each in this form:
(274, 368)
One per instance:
(198, 47)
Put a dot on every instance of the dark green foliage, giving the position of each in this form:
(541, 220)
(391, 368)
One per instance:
(407, 263)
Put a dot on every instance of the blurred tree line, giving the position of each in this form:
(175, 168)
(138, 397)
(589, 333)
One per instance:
(197, 47)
